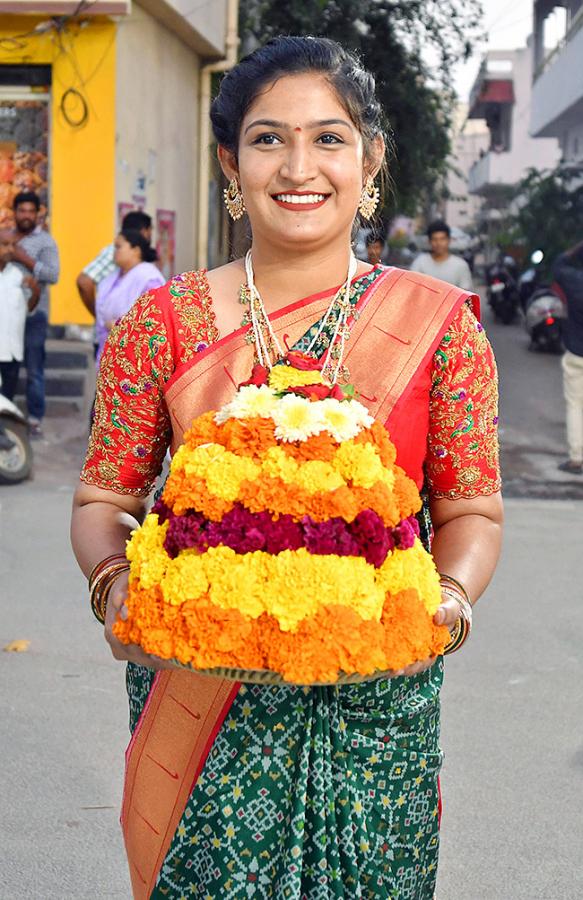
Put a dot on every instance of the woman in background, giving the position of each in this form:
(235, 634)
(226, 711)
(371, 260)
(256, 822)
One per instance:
(135, 274)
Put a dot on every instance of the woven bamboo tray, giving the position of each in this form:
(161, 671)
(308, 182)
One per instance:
(265, 676)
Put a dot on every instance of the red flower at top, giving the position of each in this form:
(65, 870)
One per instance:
(318, 391)
(303, 361)
(259, 376)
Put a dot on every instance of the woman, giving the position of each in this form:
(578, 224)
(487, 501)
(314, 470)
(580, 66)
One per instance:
(135, 274)
(253, 791)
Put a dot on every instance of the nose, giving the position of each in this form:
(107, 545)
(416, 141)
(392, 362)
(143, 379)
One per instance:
(298, 166)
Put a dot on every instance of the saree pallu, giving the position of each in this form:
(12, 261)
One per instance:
(324, 792)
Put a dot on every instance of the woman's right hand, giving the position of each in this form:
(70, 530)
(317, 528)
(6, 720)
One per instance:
(128, 652)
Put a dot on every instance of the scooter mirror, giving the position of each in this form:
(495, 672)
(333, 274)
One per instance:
(537, 257)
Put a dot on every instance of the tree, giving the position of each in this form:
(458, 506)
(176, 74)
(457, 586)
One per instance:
(547, 213)
(410, 47)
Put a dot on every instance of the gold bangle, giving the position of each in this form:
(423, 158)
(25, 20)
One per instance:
(101, 586)
(104, 564)
(463, 624)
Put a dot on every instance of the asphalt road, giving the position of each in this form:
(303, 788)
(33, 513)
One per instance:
(512, 731)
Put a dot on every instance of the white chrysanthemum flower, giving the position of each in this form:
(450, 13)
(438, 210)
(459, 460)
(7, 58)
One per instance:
(360, 413)
(249, 402)
(296, 418)
(339, 419)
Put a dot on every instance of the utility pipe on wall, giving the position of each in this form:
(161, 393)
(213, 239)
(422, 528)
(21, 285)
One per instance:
(204, 131)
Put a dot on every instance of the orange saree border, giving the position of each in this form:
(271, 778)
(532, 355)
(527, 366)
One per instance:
(185, 711)
(160, 774)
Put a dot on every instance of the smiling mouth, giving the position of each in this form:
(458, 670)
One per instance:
(299, 202)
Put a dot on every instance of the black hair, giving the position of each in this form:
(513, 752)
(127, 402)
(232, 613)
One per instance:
(136, 220)
(26, 197)
(373, 237)
(354, 86)
(136, 239)
(438, 225)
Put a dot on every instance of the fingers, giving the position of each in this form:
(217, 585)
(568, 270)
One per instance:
(448, 613)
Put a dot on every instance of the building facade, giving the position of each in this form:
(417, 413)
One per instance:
(557, 90)
(101, 111)
(501, 96)
(470, 138)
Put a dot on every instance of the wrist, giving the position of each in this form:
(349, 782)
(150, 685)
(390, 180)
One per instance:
(101, 581)
(452, 589)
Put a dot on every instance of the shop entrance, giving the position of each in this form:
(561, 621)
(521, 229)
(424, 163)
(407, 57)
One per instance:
(24, 136)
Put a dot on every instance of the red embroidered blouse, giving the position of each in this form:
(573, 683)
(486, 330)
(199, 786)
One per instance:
(166, 327)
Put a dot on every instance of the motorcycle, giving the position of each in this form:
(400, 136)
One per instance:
(15, 449)
(544, 309)
(502, 289)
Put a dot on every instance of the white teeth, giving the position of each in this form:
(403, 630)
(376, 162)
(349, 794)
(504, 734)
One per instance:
(303, 198)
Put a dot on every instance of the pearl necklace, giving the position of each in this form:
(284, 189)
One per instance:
(265, 339)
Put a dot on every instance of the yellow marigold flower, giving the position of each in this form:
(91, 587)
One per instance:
(258, 582)
(313, 476)
(249, 402)
(318, 477)
(145, 551)
(341, 419)
(222, 470)
(296, 418)
(360, 464)
(412, 568)
(283, 377)
(278, 464)
(185, 578)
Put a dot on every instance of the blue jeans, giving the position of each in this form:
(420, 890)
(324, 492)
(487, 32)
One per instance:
(34, 361)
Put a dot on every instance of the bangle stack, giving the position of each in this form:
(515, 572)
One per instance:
(101, 581)
(460, 632)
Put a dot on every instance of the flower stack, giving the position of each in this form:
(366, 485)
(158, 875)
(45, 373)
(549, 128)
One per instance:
(285, 544)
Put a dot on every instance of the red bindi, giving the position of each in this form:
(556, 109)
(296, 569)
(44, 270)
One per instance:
(297, 128)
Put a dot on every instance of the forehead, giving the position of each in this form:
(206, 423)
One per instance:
(27, 207)
(297, 100)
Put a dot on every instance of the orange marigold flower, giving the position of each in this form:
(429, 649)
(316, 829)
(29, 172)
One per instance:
(204, 430)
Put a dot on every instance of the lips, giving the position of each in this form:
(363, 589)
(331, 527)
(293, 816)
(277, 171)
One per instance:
(300, 202)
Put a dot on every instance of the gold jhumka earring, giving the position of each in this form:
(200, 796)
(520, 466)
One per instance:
(369, 199)
(234, 200)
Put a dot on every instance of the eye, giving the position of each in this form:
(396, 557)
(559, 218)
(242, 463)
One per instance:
(330, 139)
(267, 140)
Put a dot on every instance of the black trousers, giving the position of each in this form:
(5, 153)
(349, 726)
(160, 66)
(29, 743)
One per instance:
(9, 375)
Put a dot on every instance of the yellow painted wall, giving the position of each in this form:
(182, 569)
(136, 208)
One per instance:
(82, 160)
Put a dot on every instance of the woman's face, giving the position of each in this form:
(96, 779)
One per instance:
(301, 163)
(124, 255)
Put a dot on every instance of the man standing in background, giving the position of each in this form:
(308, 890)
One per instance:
(37, 253)
(440, 263)
(103, 265)
(568, 272)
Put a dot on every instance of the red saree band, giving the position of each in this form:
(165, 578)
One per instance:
(400, 320)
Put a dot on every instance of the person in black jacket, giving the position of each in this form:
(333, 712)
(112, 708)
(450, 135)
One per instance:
(568, 272)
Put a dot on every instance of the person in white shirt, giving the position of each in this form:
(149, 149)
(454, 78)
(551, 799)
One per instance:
(440, 263)
(19, 294)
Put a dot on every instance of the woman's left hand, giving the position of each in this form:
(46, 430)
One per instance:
(447, 614)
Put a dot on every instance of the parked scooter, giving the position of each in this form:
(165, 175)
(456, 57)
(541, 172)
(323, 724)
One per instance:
(15, 449)
(544, 309)
(502, 289)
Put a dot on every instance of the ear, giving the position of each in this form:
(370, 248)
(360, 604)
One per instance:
(227, 162)
(375, 156)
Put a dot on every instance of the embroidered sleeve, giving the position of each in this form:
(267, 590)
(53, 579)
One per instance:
(462, 457)
(131, 429)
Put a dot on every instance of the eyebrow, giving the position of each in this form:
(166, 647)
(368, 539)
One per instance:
(272, 123)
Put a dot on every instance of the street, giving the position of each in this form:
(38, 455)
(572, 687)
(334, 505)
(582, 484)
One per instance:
(512, 717)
